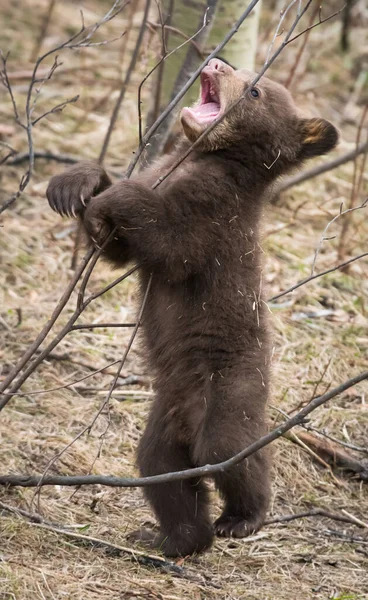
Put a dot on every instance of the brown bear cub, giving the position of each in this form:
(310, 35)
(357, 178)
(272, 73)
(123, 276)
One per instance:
(205, 326)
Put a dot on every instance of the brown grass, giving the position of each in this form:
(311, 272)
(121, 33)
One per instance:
(301, 559)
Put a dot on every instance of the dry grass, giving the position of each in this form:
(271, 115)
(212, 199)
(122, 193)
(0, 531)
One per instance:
(302, 559)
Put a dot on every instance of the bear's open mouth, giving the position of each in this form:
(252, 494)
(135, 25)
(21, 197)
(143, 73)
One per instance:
(209, 107)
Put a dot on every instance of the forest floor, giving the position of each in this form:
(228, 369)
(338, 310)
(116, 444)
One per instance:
(320, 340)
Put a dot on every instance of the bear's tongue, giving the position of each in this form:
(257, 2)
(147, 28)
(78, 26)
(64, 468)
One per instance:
(210, 108)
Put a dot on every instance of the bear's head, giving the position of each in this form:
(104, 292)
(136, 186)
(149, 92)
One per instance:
(264, 122)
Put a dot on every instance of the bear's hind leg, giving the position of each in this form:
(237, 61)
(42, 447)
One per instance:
(180, 506)
(234, 421)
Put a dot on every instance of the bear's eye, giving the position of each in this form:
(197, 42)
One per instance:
(255, 93)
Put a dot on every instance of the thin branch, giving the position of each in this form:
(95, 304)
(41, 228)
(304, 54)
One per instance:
(180, 33)
(57, 108)
(323, 236)
(308, 279)
(128, 75)
(6, 83)
(299, 54)
(357, 181)
(62, 158)
(289, 182)
(100, 325)
(205, 471)
(315, 512)
(320, 21)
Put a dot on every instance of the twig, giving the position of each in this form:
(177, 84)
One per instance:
(33, 517)
(299, 54)
(179, 33)
(317, 512)
(355, 519)
(57, 108)
(88, 428)
(128, 75)
(100, 325)
(320, 21)
(345, 536)
(311, 277)
(357, 180)
(205, 471)
(62, 158)
(289, 182)
(50, 323)
(323, 236)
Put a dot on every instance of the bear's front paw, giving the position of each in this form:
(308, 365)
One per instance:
(69, 192)
(98, 222)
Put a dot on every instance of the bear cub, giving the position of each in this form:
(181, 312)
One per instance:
(205, 321)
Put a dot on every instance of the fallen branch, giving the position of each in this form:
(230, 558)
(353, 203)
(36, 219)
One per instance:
(205, 471)
(289, 182)
(349, 445)
(331, 454)
(136, 555)
(316, 512)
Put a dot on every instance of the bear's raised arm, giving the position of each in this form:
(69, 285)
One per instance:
(69, 192)
(170, 230)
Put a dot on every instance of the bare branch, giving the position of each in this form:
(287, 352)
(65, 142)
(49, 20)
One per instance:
(289, 182)
(307, 279)
(320, 21)
(74, 42)
(315, 512)
(24, 157)
(101, 326)
(205, 471)
(323, 236)
(50, 323)
(57, 108)
(128, 75)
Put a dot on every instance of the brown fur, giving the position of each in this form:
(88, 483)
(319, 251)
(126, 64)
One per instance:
(205, 324)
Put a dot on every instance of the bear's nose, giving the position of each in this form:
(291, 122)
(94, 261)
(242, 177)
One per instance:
(217, 65)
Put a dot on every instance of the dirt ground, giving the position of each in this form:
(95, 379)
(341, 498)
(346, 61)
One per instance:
(320, 340)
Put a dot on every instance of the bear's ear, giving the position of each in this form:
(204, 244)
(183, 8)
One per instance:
(318, 136)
